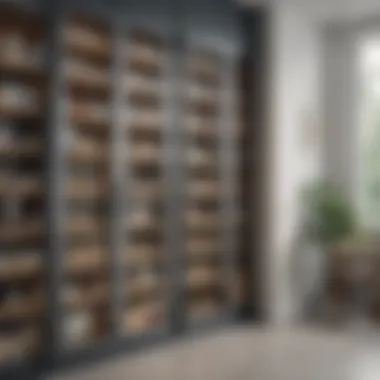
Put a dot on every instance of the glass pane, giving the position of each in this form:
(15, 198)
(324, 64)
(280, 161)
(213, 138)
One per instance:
(22, 189)
(144, 252)
(205, 295)
(86, 291)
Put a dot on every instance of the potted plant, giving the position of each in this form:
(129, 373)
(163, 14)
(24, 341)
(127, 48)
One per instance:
(329, 216)
(328, 220)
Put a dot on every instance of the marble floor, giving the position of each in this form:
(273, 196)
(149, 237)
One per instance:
(249, 353)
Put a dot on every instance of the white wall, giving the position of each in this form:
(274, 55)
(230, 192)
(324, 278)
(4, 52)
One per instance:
(293, 104)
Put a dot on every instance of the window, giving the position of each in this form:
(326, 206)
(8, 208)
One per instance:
(369, 134)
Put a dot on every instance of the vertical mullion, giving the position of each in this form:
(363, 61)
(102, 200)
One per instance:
(119, 177)
(229, 178)
(56, 172)
(174, 178)
(188, 142)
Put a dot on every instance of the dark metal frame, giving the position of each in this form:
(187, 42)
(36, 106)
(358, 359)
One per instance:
(253, 146)
(174, 176)
(229, 174)
(119, 178)
(174, 29)
(56, 168)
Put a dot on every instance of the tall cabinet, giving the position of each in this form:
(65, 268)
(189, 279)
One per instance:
(119, 197)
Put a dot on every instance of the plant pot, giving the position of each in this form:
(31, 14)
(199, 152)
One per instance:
(308, 277)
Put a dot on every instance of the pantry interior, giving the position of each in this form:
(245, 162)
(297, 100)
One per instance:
(123, 175)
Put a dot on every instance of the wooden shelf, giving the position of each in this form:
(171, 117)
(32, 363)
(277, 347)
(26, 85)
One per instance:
(86, 225)
(149, 68)
(201, 127)
(88, 151)
(208, 259)
(86, 298)
(204, 69)
(198, 158)
(143, 318)
(142, 92)
(200, 95)
(18, 113)
(88, 52)
(86, 260)
(81, 75)
(21, 69)
(21, 187)
(85, 86)
(81, 329)
(152, 121)
(89, 114)
(204, 189)
(25, 307)
(18, 345)
(14, 18)
(144, 52)
(21, 230)
(204, 220)
(141, 84)
(142, 221)
(84, 38)
(143, 154)
(149, 191)
(23, 148)
(137, 256)
(144, 100)
(200, 310)
(205, 257)
(24, 265)
(20, 101)
(203, 277)
(205, 110)
(144, 59)
(87, 188)
(143, 285)
(202, 246)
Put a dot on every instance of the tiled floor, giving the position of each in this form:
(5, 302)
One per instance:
(244, 353)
